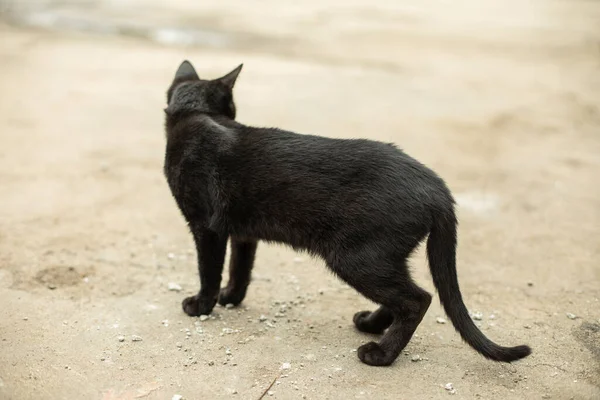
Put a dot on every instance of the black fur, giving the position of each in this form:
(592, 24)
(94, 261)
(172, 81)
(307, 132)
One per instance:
(362, 206)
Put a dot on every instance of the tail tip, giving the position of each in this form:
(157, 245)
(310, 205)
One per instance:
(514, 353)
(522, 351)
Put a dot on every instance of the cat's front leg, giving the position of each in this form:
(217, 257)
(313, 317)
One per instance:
(240, 268)
(211, 247)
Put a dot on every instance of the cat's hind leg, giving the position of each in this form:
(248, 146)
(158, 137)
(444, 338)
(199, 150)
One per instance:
(408, 310)
(240, 268)
(385, 280)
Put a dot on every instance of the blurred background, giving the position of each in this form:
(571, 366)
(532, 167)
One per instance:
(501, 98)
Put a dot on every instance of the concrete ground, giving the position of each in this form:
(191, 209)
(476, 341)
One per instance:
(503, 100)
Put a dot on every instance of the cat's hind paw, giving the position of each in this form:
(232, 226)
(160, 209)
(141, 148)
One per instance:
(365, 324)
(372, 354)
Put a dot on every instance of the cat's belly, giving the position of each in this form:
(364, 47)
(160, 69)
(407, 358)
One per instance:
(300, 238)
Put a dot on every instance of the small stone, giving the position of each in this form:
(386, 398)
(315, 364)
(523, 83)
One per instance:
(416, 358)
(102, 358)
(170, 256)
(450, 388)
(298, 260)
(51, 286)
(270, 393)
(571, 316)
(136, 338)
(440, 320)
(477, 316)
(229, 306)
(286, 366)
(203, 317)
(165, 322)
(177, 397)
(179, 345)
(211, 363)
(25, 318)
(492, 316)
(228, 352)
(121, 338)
(174, 287)
(262, 318)
(530, 284)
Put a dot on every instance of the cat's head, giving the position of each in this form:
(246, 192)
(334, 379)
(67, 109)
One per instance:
(189, 94)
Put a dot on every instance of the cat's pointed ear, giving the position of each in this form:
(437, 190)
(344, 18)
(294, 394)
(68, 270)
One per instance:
(186, 71)
(229, 79)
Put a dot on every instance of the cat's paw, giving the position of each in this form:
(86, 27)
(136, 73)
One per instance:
(372, 354)
(229, 295)
(195, 306)
(364, 324)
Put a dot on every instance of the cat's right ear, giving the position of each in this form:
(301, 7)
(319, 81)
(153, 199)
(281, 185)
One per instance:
(186, 72)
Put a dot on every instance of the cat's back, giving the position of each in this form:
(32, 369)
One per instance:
(355, 159)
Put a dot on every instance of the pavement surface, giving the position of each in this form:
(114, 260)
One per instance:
(502, 99)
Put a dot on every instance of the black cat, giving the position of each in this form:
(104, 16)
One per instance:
(362, 206)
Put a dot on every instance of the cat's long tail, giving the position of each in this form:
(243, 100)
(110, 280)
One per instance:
(441, 251)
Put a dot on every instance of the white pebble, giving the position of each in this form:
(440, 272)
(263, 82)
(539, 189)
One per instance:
(477, 316)
(229, 306)
(170, 256)
(416, 357)
(440, 320)
(286, 365)
(121, 338)
(571, 315)
(174, 287)
(298, 259)
(136, 338)
(450, 388)
(228, 352)
(262, 318)
(177, 397)
(203, 317)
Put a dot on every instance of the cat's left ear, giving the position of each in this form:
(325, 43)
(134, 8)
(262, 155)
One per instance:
(229, 79)
(186, 71)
